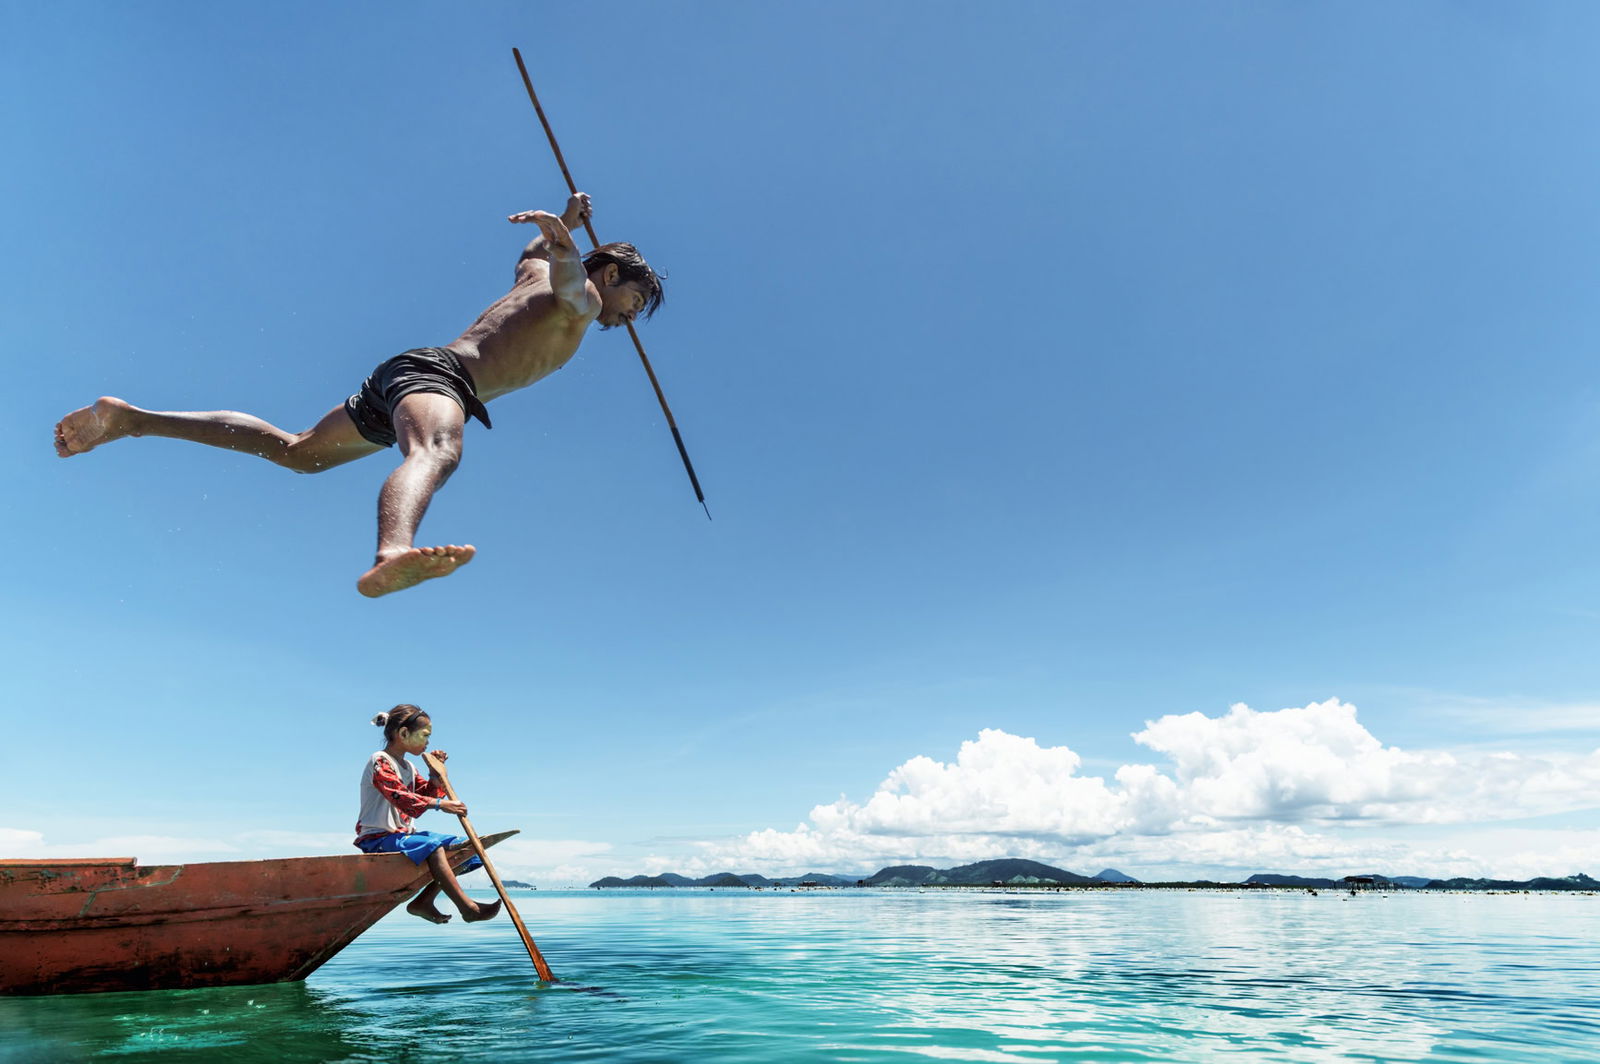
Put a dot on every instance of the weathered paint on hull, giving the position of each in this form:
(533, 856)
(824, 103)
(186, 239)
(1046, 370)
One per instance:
(81, 926)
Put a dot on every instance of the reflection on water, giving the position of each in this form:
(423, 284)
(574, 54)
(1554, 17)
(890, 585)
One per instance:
(894, 976)
(217, 1022)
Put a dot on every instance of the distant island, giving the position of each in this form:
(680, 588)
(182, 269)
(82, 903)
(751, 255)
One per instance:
(1016, 872)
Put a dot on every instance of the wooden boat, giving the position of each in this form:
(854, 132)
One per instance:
(80, 926)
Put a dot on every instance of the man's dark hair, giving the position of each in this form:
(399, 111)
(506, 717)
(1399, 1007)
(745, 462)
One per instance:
(630, 267)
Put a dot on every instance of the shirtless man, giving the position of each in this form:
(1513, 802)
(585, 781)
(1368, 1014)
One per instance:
(422, 398)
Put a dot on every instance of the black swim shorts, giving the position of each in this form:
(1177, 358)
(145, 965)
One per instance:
(422, 369)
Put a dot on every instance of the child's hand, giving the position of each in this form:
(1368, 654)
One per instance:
(440, 754)
(450, 806)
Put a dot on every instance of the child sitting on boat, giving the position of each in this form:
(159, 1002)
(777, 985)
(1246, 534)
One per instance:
(392, 795)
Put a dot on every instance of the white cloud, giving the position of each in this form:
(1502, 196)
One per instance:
(16, 842)
(549, 862)
(1304, 787)
(1318, 763)
(999, 784)
(1518, 717)
(1522, 853)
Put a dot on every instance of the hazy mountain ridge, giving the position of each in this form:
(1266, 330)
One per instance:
(1272, 879)
(1572, 882)
(1007, 871)
(1014, 871)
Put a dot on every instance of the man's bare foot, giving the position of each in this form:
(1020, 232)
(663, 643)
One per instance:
(484, 912)
(412, 567)
(87, 428)
(418, 907)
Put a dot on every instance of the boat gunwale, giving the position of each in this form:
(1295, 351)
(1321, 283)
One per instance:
(56, 862)
(23, 863)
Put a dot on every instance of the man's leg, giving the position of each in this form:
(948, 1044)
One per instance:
(427, 427)
(332, 441)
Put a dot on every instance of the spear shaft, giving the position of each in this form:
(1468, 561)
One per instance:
(437, 768)
(638, 345)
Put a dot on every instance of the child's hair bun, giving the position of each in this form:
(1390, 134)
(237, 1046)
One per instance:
(381, 719)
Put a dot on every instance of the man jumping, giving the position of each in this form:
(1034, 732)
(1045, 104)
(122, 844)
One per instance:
(422, 398)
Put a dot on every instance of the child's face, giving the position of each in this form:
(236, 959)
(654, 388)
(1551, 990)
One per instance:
(415, 740)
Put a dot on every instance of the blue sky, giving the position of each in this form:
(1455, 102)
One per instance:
(1049, 372)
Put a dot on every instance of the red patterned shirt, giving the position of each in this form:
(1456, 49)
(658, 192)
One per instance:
(392, 795)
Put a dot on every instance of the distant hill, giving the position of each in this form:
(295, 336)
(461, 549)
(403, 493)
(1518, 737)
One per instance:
(1008, 871)
(909, 875)
(635, 881)
(1575, 882)
(721, 879)
(1012, 871)
(1269, 879)
(520, 885)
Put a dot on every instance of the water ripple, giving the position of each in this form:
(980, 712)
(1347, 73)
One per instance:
(875, 976)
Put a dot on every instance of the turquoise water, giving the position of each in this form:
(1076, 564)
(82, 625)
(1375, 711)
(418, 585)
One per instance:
(866, 975)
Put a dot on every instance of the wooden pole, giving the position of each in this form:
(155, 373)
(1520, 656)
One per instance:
(437, 768)
(638, 345)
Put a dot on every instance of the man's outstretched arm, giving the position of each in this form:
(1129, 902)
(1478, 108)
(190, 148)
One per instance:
(568, 281)
(579, 209)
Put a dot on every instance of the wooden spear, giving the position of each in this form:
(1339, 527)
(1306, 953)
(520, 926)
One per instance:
(437, 768)
(638, 345)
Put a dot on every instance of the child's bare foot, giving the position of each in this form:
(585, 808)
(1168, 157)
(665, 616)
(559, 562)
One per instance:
(425, 909)
(411, 567)
(87, 428)
(483, 912)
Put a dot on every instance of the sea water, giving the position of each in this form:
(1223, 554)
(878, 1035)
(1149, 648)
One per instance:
(885, 975)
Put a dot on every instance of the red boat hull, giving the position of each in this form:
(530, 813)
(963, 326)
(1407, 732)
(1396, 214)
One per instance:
(81, 926)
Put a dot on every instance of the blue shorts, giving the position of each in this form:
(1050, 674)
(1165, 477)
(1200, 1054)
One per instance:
(418, 846)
